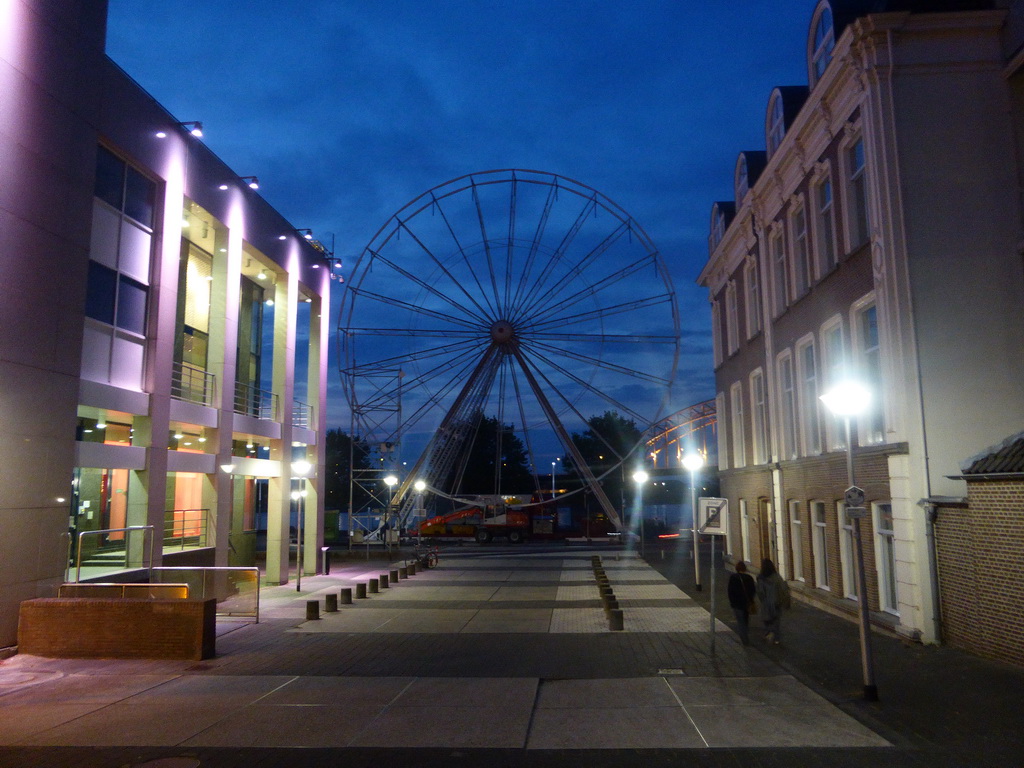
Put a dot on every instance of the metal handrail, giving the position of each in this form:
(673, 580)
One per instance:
(217, 569)
(192, 384)
(252, 401)
(175, 528)
(302, 414)
(127, 531)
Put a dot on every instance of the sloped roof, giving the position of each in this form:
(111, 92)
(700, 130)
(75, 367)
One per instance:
(1002, 459)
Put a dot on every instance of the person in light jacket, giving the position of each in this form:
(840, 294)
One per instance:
(773, 597)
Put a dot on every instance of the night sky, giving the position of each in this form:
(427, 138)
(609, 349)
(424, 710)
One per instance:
(348, 110)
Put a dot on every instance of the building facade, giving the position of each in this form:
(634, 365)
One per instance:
(163, 365)
(875, 236)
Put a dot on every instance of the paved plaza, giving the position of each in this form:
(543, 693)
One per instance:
(502, 659)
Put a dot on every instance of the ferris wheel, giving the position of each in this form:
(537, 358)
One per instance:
(515, 296)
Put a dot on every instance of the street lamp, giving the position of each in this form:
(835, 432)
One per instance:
(693, 462)
(420, 486)
(390, 481)
(640, 477)
(300, 469)
(848, 399)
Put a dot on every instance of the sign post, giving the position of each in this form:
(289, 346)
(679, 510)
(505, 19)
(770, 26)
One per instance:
(713, 520)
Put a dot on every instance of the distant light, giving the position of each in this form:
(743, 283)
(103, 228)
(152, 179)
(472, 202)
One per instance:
(282, 237)
(668, 535)
(693, 461)
(161, 134)
(309, 300)
(419, 485)
(390, 480)
(100, 425)
(178, 435)
(227, 468)
(61, 499)
(223, 187)
(195, 127)
(270, 302)
(847, 398)
(251, 181)
(640, 476)
(262, 275)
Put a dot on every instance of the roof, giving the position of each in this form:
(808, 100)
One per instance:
(1005, 458)
(845, 12)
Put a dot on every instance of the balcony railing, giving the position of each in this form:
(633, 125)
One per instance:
(186, 528)
(302, 415)
(250, 401)
(192, 384)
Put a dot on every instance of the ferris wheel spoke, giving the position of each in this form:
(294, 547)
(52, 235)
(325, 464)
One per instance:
(437, 262)
(487, 247)
(597, 362)
(462, 252)
(416, 309)
(551, 303)
(602, 313)
(527, 436)
(418, 355)
(602, 338)
(538, 237)
(542, 299)
(433, 402)
(434, 333)
(464, 358)
(510, 246)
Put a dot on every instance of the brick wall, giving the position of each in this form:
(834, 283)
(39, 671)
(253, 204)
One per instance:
(980, 549)
(126, 628)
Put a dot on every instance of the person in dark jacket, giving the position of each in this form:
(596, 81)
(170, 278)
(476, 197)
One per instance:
(741, 597)
(772, 596)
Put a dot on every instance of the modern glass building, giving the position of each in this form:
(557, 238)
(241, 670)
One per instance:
(163, 360)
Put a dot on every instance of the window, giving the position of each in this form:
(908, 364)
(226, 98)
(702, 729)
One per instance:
(885, 557)
(741, 182)
(801, 253)
(716, 332)
(194, 290)
(872, 428)
(100, 293)
(732, 318)
(723, 455)
(759, 418)
(857, 215)
(745, 529)
(819, 544)
(787, 395)
(776, 123)
(124, 188)
(717, 227)
(825, 229)
(739, 448)
(752, 294)
(780, 273)
(846, 552)
(809, 403)
(796, 540)
(833, 365)
(824, 42)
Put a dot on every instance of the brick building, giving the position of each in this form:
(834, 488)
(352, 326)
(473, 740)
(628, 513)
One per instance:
(877, 236)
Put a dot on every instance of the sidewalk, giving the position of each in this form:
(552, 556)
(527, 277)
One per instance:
(506, 659)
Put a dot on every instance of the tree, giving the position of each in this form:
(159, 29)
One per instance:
(488, 445)
(608, 439)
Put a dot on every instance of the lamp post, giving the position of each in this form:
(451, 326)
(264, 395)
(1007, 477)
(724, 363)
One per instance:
(390, 481)
(848, 399)
(420, 486)
(640, 477)
(300, 469)
(693, 462)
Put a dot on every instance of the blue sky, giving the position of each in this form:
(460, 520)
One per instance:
(348, 110)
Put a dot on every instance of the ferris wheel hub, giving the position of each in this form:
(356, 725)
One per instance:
(502, 332)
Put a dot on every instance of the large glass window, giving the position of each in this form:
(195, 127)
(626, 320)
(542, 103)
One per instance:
(787, 395)
(824, 42)
(759, 418)
(745, 529)
(846, 552)
(780, 274)
(820, 544)
(752, 288)
(776, 124)
(833, 368)
(716, 332)
(801, 252)
(739, 448)
(872, 424)
(885, 557)
(857, 215)
(124, 188)
(101, 293)
(732, 318)
(826, 236)
(809, 402)
(796, 540)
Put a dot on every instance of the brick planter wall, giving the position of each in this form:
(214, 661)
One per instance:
(980, 550)
(125, 628)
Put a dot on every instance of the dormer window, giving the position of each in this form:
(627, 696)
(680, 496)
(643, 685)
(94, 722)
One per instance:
(742, 181)
(824, 42)
(717, 227)
(776, 123)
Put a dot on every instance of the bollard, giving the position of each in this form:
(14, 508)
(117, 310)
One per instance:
(330, 603)
(610, 605)
(394, 576)
(373, 586)
(615, 623)
(604, 589)
(346, 596)
(360, 591)
(384, 581)
(403, 572)
(412, 569)
(312, 610)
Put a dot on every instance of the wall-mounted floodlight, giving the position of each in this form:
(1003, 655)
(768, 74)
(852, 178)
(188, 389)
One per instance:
(195, 127)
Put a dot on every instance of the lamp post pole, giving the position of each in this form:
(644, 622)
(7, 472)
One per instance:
(299, 470)
(419, 486)
(640, 477)
(848, 399)
(693, 462)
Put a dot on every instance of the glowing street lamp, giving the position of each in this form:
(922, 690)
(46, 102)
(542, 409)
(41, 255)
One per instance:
(640, 477)
(694, 462)
(848, 399)
(420, 486)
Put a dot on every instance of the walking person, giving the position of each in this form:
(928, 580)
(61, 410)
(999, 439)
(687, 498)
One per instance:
(742, 591)
(773, 596)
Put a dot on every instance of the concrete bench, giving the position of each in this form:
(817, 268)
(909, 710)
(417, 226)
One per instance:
(118, 628)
